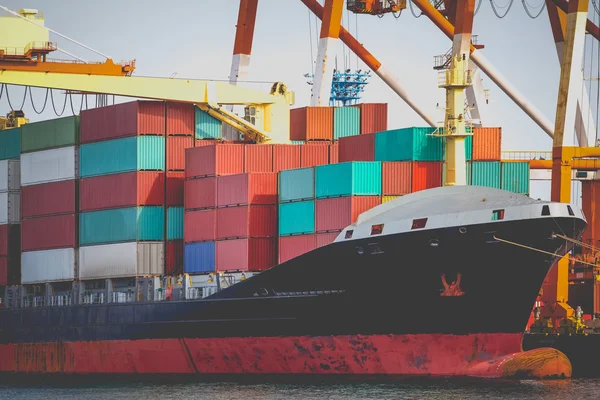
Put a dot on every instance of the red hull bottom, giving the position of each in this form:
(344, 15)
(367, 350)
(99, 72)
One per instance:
(476, 355)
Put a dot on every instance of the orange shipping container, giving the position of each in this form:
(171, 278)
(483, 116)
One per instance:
(487, 144)
(396, 178)
(206, 142)
(199, 226)
(373, 117)
(294, 246)
(323, 239)
(426, 175)
(176, 146)
(590, 204)
(180, 119)
(313, 154)
(286, 156)
(334, 153)
(337, 213)
(221, 159)
(253, 188)
(258, 158)
(311, 123)
(246, 221)
(254, 254)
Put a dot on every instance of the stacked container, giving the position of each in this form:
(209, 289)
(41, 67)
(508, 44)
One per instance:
(373, 117)
(311, 124)
(486, 167)
(10, 236)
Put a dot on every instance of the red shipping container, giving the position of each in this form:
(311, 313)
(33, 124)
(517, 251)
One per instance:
(48, 199)
(174, 259)
(175, 188)
(246, 221)
(206, 142)
(313, 154)
(200, 193)
(286, 156)
(3, 240)
(258, 158)
(311, 123)
(255, 254)
(337, 213)
(373, 117)
(121, 120)
(181, 119)
(357, 148)
(396, 177)
(176, 146)
(46, 233)
(3, 271)
(334, 153)
(487, 144)
(10, 240)
(323, 239)
(199, 226)
(140, 188)
(252, 188)
(426, 175)
(221, 159)
(294, 246)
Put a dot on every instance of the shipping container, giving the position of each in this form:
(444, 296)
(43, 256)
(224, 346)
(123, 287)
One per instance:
(348, 179)
(10, 239)
(48, 265)
(50, 134)
(10, 207)
(311, 123)
(3, 271)
(385, 199)
(426, 175)
(175, 190)
(176, 146)
(487, 144)
(10, 144)
(336, 214)
(293, 246)
(180, 119)
(258, 158)
(249, 188)
(373, 117)
(200, 193)
(47, 166)
(323, 239)
(297, 184)
(334, 153)
(121, 225)
(357, 148)
(52, 232)
(199, 257)
(314, 154)
(297, 218)
(590, 198)
(207, 142)
(346, 122)
(130, 189)
(199, 226)
(174, 223)
(515, 177)
(396, 177)
(122, 120)
(409, 144)
(174, 258)
(246, 221)
(10, 175)
(49, 199)
(254, 254)
(221, 159)
(123, 155)
(285, 156)
(486, 173)
(207, 127)
(121, 260)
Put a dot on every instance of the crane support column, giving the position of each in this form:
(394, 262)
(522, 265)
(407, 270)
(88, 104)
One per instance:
(244, 34)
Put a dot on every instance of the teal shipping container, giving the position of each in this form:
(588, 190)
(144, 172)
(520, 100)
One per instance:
(121, 225)
(485, 173)
(174, 223)
(348, 179)
(207, 127)
(296, 184)
(297, 218)
(297, 142)
(515, 177)
(409, 144)
(136, 153)
(10, 143)
(346, 122)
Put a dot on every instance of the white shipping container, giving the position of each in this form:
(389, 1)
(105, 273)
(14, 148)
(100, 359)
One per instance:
(10, 208)
(121, 260)
(48, 265)
(50, 166)
(10, 175)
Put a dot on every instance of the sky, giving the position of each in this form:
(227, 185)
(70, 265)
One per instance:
(194, 39)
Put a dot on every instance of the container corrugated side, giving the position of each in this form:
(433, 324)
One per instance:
(207, 127)
(373, 117)
(334, 153)
(220, 159)
(348, 179)
(53, 165)
(297, 218)
(246, 221)
(285, 156)
(297, 184)
(121, 260)
(408, 144)
(293, 246)
(311, 123)
(199, 257)
(314, 154)
(51, 232)
(426, 175)
(53, 133)
(10, 143)
(200, 193)
(590, 197)
(357, 148)
(48, 265)
(180, 119)
(486, 173)
(396, 177)
(487, 144)
(174, 257)
(174, 223)
(49, 199)
(515, 177)
(10, 208)
(175, 189)
(176, 146)
(258, 158)
(323, 239)
(255, 254)
(335, 214)
(346, 122)
(199, 226)
(10, 175)
(247, 188)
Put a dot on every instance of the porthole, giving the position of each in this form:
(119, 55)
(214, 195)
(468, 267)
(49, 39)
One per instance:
(462, 230)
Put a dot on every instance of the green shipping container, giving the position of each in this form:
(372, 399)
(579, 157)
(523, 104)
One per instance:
(128, 154)
(297, 218)
(486, 173)
(346, 122)
(297, 184)
(121, 225)
(10, 143)
(60, 132)
(348, 179)
(409, 144)
(515, 177)
(207, 127)
(174, 223)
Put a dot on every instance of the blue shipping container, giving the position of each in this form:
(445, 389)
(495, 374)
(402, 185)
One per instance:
(207, 127)
(10, 143)
(296, 218)
(346, 122)
(297, 184)
(174, 223)
(199, 257)
(409, 144)
(348, 179)
(121, 225)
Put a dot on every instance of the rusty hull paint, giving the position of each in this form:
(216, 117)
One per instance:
(476, 355)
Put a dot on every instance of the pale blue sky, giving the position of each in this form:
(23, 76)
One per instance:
(195, 40)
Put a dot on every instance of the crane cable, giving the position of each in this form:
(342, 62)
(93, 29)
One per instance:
(508, 7)
(412, 10)
(33, 104)
(542, 7)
